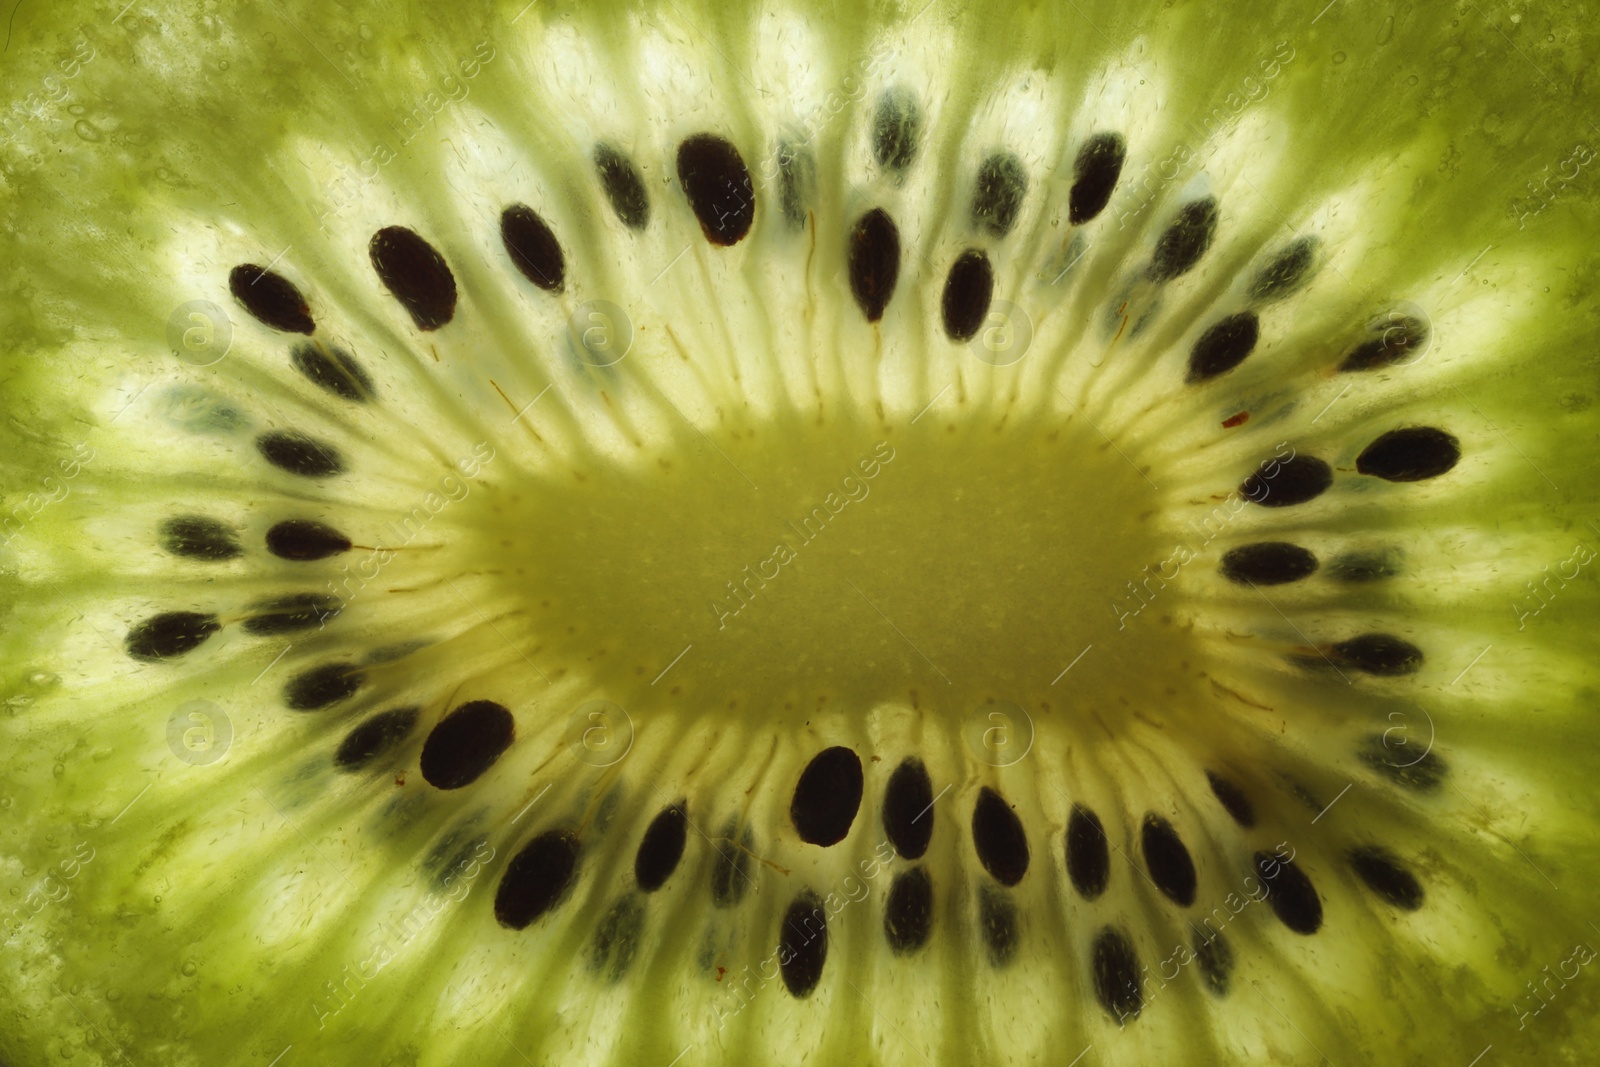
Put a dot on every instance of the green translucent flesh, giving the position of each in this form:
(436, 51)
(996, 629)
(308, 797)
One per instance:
(585, 554)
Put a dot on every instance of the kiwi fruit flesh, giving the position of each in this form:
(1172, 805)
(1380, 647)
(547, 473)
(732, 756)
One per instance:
(697, 533)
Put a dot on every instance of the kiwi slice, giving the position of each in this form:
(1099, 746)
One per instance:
(703, 533)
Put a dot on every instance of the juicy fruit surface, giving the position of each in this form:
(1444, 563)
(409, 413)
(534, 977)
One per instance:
(716, 534)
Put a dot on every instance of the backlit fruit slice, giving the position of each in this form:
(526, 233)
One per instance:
(719, 533)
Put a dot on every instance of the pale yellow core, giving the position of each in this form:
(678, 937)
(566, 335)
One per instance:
(800, 565)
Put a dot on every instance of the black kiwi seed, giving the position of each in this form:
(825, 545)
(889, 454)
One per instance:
(1285, 272)
(661, 848)
(1292, 896)
(908, 809)
(999, 838)
(997, 921)
(908, 913)
(416, 274)
(1385, 876)
(197, 537)
(997, 198)
(1297, 480)
(1406, 758)
(1223, 346)
(896, 129)
(374, 737)
(616, 938)
(717, 183)
(1116, 974)
(797, 175)
(299, 454)
(271, 298)
(967, 292)
(1182, 243)
(1233, 799)
(803, 944)
(333, 370)
(287, 614)
(533, 247)
(1094, 176)
(1384, 655)
(1410, 455)
(1167, 859)
(730, 876)
(322, 687)
(466, 743)
(827, 796)
(623, 185)
(1214, 958)
(1088, 853)
(1400, 338)
(537, 879)
(303, 539)
(1268, 563)
(874, 262)
(172, 633)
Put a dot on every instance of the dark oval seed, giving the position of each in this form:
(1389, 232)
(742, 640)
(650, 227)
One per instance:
(1384, 655)
(1215, 959)
(287, 614)
(717, 183)
(1182, 244)
(1167, 858)
(896, 129)
(537, 879)
(623, 185)
(803, 944)
(1094, 176)
(874, 262)
(271, 298)
(1268, 563)
(303, 539)
(1386, 877)
(417, 275)
(730, 876)
(1233, 799)
(197, 537)
(333, 370)
(1292, 896)
(1410, 455)
(1402, 337)
(997, 921)
(661, 848)
(1293, 481)
(324, 686)
(999, 838)
(1405, 756)
(374, 737)
(533, 247)
(797, 172)
(299, 454)
(827, 796)
(967, 293)
(616, 939)
(1116, 975)
(908, 914)
(1223, 346)
(1088, 853)
(172, 633)
(1286, 272)
(466, 743)
(908, 809)
(997, 198)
